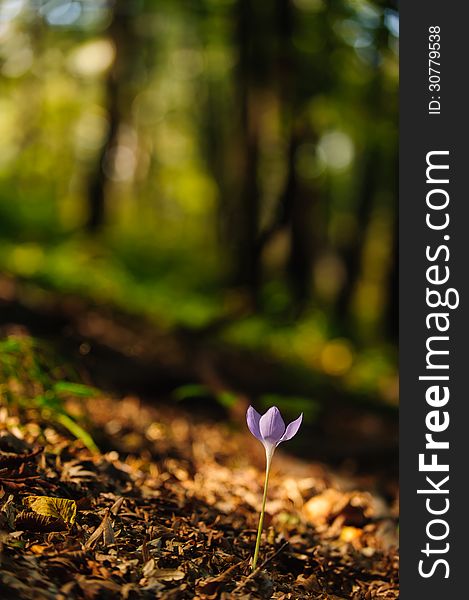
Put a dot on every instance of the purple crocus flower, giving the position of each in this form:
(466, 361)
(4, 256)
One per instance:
(270, 430)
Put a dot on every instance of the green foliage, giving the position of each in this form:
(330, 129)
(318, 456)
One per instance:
(319, 91)
(174, 294)
(31, 379)
(191, 390)
(225, 398)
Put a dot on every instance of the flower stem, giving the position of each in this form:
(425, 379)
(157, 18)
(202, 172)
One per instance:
(261, 517)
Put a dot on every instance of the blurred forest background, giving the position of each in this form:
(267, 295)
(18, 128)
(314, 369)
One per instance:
(220, 166)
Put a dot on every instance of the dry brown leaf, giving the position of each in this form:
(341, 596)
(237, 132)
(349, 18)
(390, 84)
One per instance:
(29, 521)
(319, 508)
(168, 574)
(117, 505)
(99, 531)
(209, 587)
(11, 459)
(108, 533)
(353, 508)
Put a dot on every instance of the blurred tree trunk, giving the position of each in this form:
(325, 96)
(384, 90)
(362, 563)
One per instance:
(392, 308)
(352, 255)
(118, 96)
(213, 131)
(99, 177)
(246, 217)
(214, 128)
(297, 200)
(301, 258)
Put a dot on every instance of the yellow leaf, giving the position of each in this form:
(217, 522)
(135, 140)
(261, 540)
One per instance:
(37, 548)
(60, 508)
(349, 534)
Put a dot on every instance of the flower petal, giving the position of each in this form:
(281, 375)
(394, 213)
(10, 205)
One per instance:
(272, 426)
(292, 429)
(252, 419)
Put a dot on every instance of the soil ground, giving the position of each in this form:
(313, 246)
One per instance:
(168, 508)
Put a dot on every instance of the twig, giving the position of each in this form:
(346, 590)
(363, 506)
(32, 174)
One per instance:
(260, 567)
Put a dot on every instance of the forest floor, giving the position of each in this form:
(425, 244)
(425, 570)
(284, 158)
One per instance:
(168, 508)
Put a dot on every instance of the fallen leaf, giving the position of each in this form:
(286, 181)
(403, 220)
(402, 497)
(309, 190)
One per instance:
(29, 521)
(168, 574)
(150, 571)
(10, 459)
(352, 508)
(209, 587)
(60, 508)
(99, 531)
(349, 534)
(108, 533)
(37, 548)
(319, 508)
